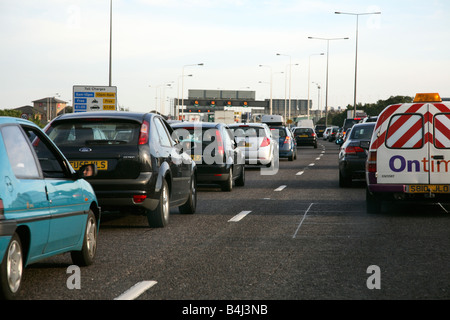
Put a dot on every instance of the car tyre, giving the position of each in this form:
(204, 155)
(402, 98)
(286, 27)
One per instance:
(11, 269)
(191, 204)
(85, 256)
(228, 185)
(159, 217)
(241, 180)
(373, 203)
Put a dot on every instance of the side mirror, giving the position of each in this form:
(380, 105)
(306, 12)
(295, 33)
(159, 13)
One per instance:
(87, 171)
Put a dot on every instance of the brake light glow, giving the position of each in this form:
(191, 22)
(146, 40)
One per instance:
(144, 133)
(139, 198)
(353, 150)
(220, 143)
(265, 142)
(287, 139)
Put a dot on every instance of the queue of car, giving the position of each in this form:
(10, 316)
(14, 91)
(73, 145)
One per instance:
(82, 164)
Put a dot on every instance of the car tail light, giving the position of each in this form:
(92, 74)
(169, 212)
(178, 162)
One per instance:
(371, 164)
(313, 134)
(139, 198)
(265, 142)
(144, 133)
(287, 139)
(220, 143)
(2, 209)
(353, 150)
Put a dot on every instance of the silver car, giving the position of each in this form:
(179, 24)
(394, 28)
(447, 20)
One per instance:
(255, 139)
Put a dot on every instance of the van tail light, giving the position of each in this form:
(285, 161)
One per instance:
(353, 150)
(220, 143)
(265, 142)
(144, 133)
(371, 164)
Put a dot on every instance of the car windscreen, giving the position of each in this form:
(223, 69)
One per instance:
(99, 131)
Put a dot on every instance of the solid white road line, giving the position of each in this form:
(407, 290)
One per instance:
(280, 188)
(239, 216)
(136, 290)
(300, 224)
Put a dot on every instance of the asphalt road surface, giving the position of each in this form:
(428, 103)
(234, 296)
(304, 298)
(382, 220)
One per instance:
(291, 236)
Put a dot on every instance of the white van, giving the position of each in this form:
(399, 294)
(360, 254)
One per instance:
(275, 120)
(409, 154)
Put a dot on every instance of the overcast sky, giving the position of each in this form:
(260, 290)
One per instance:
(48, 46)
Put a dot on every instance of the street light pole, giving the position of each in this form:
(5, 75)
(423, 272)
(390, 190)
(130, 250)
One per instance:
(326, 84)
(290, 81)
(271, 85)
(110, 44)
(309, 75)
(356, 54)
(182, 87)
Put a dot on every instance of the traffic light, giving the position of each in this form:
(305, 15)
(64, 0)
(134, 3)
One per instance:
(244, 103)
(195, 103)
(228, 104)
(212, 103)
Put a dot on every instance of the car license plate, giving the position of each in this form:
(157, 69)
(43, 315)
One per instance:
(303, 136)
(427, 188)
(196, 157)
(101, 164)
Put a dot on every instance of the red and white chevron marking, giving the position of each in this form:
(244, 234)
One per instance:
(406, 129)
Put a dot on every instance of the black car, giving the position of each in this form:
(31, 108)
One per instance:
(305, 137)
(212, 146)
(353, 153)
(140, 167)
(320, 129)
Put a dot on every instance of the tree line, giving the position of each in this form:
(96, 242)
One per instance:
(336, 118)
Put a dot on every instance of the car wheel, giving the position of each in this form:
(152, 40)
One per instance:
(159, 218)
(228, 185)
(86, 255)
(11, 269)
(191, 203)
(373, 203)
(241, 180)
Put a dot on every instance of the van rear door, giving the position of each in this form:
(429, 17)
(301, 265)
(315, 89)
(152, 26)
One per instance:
(405, 147)
(440, 145)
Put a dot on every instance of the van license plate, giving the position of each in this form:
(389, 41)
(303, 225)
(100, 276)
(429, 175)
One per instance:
(427, 188)
(101, 164)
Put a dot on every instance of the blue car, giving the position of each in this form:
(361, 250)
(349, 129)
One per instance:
(287, 144)
(46, 207)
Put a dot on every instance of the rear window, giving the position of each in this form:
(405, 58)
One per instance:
(442, 131)
(405, 131)
(248, 131)
(281, 131)
(361, 132)
(94, 132)
(303, 131)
